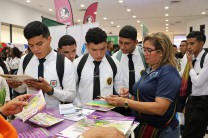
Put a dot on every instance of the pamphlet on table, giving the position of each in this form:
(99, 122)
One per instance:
(99, 104)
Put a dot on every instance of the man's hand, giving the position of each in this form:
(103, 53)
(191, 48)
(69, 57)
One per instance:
(15, 105)
(103, 132)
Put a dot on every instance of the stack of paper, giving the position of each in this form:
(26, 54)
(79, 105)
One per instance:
(100, 105)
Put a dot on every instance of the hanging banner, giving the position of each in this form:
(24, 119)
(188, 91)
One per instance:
(90, 14)
(64, 12)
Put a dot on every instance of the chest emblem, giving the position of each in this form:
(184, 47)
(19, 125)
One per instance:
(109, 81)
(53, 83)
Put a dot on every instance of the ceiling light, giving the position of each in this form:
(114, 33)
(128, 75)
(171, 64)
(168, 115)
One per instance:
(138, 21)
(120, 1)
(203, 13)
(166, 20)
(28, 1)
(166, 14)
(95, 12)
(112, 22)
(141, 25)
(128, 10)
(50, 9)
(166, 30)
(118, 26)
(79, 20)
(167, 24)
(134, 16)
(104, 18)
(82, 5)
(166, 7)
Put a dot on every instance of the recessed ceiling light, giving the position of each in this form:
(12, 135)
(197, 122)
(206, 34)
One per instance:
(79, 20)
(128, 10)
(95, 12)
(112, 22)
(141, 25)
(166, 7)
(166, 30)
(167, 24)
(166, 20)
(138, 21)
(28, 1)
(104, 18)
(50, 9)
(118, 26)
(82, 5)
(203, 13)
(120, 1)
(134, 16)
(166, 14)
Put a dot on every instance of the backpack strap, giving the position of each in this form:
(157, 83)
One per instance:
(118, 56)
(202, 59)
(60, 67)
(142, 57)
(112, 64)
(81, 65)
(26, 60)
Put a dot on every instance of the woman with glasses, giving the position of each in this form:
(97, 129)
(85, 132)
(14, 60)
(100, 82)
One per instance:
(155, 91)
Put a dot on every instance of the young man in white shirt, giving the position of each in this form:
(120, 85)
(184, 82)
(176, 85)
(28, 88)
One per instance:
(90, 85)
(39, 40)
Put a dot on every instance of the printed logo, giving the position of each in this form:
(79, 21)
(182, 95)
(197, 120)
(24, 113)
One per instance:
(53, 83)
(89, 19)
(64, 13)
(109, 81)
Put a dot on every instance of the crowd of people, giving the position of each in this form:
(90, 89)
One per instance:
(147, 81)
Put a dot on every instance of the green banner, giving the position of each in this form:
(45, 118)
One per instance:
(114, 39)
(49, 22)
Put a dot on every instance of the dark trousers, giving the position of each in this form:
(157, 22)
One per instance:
(196, 118)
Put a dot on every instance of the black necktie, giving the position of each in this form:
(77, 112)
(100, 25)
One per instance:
(131, 74)
(41, 68)
(189, 85)
(96, 85)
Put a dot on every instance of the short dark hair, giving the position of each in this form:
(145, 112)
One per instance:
(95, 35)
(198, 35)
(128, 32)
(36, 28)
(66, 40)
(175, 46)
(16, 52)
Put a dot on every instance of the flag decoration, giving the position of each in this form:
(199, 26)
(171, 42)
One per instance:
(90, 14)
(49, 22)
(2, 46)
(64, 12)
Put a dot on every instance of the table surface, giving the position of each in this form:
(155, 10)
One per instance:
(27, 125)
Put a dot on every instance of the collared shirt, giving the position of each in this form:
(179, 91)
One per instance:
(50, 75)
(124, 64)
(13, 63)
(199, 77)
(183, 64)
(85, 88)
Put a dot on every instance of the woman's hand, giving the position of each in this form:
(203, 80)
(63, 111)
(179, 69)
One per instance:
(116, 100)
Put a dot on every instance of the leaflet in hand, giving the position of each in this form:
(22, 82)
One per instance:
(20, 78)
(122, 123)
(36, 103)
(100, 105)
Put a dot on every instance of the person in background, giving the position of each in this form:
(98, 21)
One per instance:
(109, 48)
(196, 108)
(183, 47)
(155, 91)
(14, 61)
(42, 66)
(67, 46)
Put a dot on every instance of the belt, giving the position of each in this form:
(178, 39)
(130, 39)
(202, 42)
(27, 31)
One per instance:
(204, 97)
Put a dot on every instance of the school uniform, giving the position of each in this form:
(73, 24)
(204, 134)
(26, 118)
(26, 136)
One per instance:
(50, 75)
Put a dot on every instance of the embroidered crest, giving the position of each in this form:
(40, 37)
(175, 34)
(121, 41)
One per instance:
(153, 74)
(53, 83)
(109, 81)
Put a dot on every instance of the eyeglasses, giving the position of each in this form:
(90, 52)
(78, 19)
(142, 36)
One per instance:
(183, 45)
(148, 51)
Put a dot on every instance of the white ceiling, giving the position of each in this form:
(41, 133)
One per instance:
(151, 13)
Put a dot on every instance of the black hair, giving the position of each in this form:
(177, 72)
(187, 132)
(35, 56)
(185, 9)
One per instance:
(198, 35)
(66, 40)
(95, 35)
(128, 32)
(16, 52)
(175, 46)
(36, 28)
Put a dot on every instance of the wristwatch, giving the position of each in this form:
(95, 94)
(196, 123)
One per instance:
(126, 104)
(51, 92)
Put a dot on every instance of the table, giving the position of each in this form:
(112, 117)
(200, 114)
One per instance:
(27, 126)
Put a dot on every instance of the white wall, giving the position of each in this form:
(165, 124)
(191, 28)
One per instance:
(196, 26)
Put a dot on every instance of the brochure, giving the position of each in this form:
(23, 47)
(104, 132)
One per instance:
(100, 105)
(66, 108)
(95, 119)
(36, 103)
(45, 120)
(20, 78)
(35, 133)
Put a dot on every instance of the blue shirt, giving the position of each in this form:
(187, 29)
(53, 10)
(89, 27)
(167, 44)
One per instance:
(164, 82)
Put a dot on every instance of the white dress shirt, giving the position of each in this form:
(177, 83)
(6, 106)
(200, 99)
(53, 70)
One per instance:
(124, 64)
(3, 84)
(85, 88)
(50, 75)
(183, 64)
(199, 77)
(13, 63)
